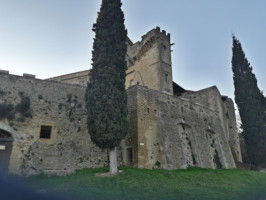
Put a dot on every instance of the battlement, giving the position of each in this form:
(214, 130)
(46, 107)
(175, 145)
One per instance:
(156, 32)
(26, 77)
(29, 76)
(149, 61)
(4, 72)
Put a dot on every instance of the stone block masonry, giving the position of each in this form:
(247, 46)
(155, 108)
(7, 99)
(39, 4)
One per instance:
(196, 129)
(61, 108)
(175, 133)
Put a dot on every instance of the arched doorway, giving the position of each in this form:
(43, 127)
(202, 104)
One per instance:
(6, 143)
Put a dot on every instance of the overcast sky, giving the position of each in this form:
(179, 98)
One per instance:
(53, 37)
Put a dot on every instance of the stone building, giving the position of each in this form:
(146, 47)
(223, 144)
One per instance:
(43, 122)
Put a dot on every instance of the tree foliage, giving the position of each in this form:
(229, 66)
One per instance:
(251, 105)
(106, 95)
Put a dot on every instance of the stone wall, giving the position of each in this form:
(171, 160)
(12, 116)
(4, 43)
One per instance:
(149, 62)
(58, 105)
(234, 134)
(176, 133)
(211, 98)
(196, 129)
(77, 78)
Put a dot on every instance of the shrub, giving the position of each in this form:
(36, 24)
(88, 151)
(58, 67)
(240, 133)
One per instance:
(158, 164)
(21, 119)
(27, 114)
(69, 98)
(60, 106)
(5, 109)
(11, 116)
(21, 94)
(40, 96)
(24, 105)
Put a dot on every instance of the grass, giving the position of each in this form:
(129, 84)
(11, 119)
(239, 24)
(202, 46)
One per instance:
(138, 184)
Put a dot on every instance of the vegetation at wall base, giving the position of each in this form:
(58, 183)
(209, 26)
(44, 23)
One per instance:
(144, 184)
(251, 105)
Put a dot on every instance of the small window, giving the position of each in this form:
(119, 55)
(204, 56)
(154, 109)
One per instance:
(166, 78)
(131, 83)
(45, 132)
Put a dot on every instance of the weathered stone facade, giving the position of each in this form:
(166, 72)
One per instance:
(176, 133)
(57, 105)
(170, 127)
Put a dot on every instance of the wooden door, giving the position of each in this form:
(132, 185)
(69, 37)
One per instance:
(6, 143)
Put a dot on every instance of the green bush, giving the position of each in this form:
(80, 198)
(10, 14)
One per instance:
(5, 109)
(27, 114)
(60, 106)
(69, 98)
(24, 105)
(21, 119)
(11, 115)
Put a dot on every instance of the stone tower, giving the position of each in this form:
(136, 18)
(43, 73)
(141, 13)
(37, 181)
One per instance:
(149, 62)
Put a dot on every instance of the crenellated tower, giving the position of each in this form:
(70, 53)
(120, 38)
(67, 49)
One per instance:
(149, 62)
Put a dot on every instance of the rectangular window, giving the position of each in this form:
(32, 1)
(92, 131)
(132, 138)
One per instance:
(166, 78)
(45, 132)
(131, 83)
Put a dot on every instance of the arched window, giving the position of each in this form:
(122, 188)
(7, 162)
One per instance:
(5, 136)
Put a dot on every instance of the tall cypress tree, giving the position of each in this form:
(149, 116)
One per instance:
(251, 105)
(106, 95)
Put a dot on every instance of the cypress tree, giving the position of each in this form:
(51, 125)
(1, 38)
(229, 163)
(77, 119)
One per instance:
(106, 95)
(251, 105)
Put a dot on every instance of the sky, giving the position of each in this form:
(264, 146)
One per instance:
(48, 38)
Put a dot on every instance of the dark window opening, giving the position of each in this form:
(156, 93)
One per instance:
(45, 132)
(166, 78)
(129, 156)
(5, 137)
(4, 134)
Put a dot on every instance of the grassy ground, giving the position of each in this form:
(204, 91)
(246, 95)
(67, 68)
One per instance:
(146, 184)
